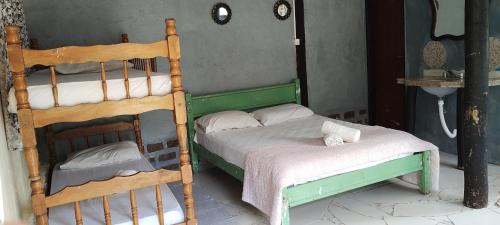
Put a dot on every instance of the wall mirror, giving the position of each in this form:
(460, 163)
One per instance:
(221, 13)
(448, 19)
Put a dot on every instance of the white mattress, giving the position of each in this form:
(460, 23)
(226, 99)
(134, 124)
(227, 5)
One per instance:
(92, 210)
(234, 145)
(87, 88)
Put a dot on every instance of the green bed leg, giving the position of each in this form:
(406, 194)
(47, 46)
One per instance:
(285, 212)
(425, 174)
(190, 123)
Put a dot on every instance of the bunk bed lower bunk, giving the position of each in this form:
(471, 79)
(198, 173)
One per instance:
(104, 160)
(286, 164)
(111, 101)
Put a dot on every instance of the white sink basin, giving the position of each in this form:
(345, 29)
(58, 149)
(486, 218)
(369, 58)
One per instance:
(439, 91)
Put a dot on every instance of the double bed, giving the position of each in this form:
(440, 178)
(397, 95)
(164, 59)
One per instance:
(287, 164)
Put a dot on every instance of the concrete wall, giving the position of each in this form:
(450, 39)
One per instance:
(15, 191)
(253, 49)
(336, 55)
(427, 126)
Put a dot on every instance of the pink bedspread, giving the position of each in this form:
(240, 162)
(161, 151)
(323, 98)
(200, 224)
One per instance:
(269, 170)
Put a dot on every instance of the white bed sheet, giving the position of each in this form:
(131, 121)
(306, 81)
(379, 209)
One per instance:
(234, 145)
(87, 88)
(92, 210)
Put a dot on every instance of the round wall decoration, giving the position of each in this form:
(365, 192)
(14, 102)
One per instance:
(434, 55)
(282, 9)
(221, 13)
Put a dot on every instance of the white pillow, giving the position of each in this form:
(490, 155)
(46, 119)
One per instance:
(226, 120)
(281, 113)
(102, 155)
(90, 67)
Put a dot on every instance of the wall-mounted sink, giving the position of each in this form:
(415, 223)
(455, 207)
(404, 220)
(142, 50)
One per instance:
(439, 91)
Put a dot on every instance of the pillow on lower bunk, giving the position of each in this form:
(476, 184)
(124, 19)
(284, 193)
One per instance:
(281, 113)
(90, 67)
(102, 155)
(226, 120)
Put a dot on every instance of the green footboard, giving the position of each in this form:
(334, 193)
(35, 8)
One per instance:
(310, 191)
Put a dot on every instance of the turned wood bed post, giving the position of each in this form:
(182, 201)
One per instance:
(476, 104)
(16, 62)
(180, 117)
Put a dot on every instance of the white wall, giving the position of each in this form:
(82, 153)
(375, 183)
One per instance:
(14, 184)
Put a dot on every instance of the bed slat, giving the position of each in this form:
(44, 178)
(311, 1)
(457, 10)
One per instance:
(53, 81)
(133, 106)
(72, 145)
(159, 205)
(125, 79)
(78, 214)
(97, 189)
(103, 81)
(148, 76)
(97, 53)
(133, 207)
(107, 213)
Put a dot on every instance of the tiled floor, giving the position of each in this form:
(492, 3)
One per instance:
(388, 203)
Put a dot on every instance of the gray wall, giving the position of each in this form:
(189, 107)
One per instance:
(253, 49)
(336, 55)
(427, 126)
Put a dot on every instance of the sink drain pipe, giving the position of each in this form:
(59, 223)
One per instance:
(443, 121)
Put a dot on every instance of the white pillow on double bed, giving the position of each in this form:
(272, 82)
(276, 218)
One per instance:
(226, 120)
(102, 155)
(281, 113)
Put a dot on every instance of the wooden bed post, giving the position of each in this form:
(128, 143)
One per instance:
(26, 126)
(180, 117)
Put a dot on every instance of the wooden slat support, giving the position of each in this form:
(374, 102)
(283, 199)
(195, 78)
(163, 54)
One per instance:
(133, 106)
(125, 79)
(137, 132)
(96, 53)
(53, 81)
(476, 103)
(107, 212)
(78, 214)
(133, 207)
(159, 205)
(72, 145)
(24, 113)
(148, 76)
(97, 189)
(103, 81)
(180, 117)
(51, 144)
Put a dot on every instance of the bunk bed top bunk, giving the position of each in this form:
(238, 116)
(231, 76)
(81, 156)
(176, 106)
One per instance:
(29, 118)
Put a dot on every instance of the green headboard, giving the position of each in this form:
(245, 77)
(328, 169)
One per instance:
(238, 100)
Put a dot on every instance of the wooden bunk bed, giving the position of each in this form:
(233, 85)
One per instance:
(299, 194)
(29, 119)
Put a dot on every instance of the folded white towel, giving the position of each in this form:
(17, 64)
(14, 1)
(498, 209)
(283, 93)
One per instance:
(346, 133)
(333, 140)
(126, 173)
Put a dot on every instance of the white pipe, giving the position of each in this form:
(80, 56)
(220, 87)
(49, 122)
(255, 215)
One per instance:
(443, 122)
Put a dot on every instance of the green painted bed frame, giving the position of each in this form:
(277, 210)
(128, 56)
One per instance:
(307, 192)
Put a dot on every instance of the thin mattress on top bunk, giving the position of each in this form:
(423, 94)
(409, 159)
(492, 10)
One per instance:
(92, 210)
(83, 88)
